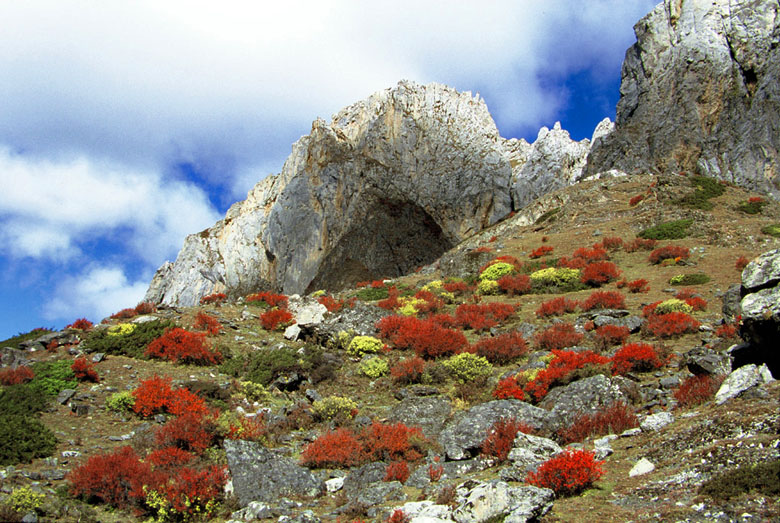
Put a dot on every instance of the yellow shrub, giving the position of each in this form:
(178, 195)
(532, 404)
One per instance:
(495, 271)
(121, 329)
(362, 345)
(556, 277)
(467, 367)
(334, 407)
(673, 305)
(487, 287)
(24, 500)
(374, 368)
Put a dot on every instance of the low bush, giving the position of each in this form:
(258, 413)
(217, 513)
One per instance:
(213, 299)
(374, 368)
(84, 371)
(603, 300)
(336, 408)
(752, 206)
(23, 500)
(81, 324)
(130, 343)
(670, 252)
(705, 189)
(636, 199)
(120, 401)
(182, 346)
(761, 478)
(696, 390)
(673, 230)
(636, 286)
(558, 336)
(561, 279)
(689, 279)
(155, 395)
(145, 307)
(501, 349)
(608, 335)
(561, 369)
(409, 370)
(192, 431)
(268, 299)
(362, 345)
(612, 419)
(515, 284)
(741, 263)
(276, 319)
(187, 494)
(24, 438)
(15, 376)
(672, 324)
(501, 437)
(544, 250)
(427, 338)
(496, 270)
(599, 273)
(672, 305)
(593, 254)
(392, 442)
(397, 471)
(568, 473)
(772, 230)
(635, 357)
(208, 323)
(467, 367)
(124, 314)
(509, 388)
(330, 303)
(640, 244)
(556, 307)
(612, 243)
(116, 479)
(53, 376)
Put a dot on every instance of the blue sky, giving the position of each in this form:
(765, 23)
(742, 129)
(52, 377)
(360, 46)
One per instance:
(125, 126)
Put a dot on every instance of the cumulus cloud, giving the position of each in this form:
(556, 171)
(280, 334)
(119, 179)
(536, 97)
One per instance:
(95, 293)
(50, 208)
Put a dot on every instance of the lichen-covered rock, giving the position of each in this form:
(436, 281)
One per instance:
(463, 436)
(760, 308)
(585, 396)
(702, 360)
(741, 380)
(528, 452)
(699, 93)
(479, 501)
(427, 412)
(259, 474)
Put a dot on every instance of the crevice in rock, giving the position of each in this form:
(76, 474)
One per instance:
(391, 238)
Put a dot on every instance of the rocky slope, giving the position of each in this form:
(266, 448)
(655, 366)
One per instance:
(699, 93)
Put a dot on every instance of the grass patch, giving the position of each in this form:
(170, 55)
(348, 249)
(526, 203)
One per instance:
(705, 189)
(673, 230)
(698, 278)
(754, 207)
(22, 436)
(372, 294)
(772, 230)
(762, 478)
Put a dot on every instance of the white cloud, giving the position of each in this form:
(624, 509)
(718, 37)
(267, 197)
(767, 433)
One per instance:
(50, 207)
(96, 293)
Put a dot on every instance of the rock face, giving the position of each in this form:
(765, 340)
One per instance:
(388, 185)
(699, 93)
(760, 307)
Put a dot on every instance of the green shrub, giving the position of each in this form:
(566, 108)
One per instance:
(253, 391)
(705, 189)
(772, 230)
(689, 279)
(336, 408)
(265, 365)
(372, 293)
(762, 478)
(467, 367)
(673, 305)
(124, 341)
(673, 230)
(22, 436)
(53, 376)
(120, 401)
(22, 400)
(495, 271)
(374, 368)
(754, 207)
(362, 345)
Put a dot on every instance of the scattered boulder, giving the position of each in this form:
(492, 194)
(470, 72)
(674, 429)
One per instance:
(259, 474)
(643, 466)
(741, 380)
(420, 478)
(760, 313)
(528, 452)
(585, 396)
(360, 319)
(463, 436)
(655, 422)
(479, 501)
(703, 360)
(427, 412)
(731, 300)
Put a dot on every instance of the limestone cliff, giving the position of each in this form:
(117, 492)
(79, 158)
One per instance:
(388, 185)
(700, 93)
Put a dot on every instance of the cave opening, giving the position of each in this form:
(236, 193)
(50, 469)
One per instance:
(391, 239)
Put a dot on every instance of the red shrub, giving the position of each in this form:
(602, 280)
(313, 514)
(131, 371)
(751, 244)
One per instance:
(501, 437)
(544, 250)
(377, 284)
(398, 516)
(81, 324)
(610, 420)
(636, 199)
(609, 335)
(397, 471)
(191, 431)
(409, 370)
(154, 395)
(515, 284)
(432, 302)
(179, 345)
(640, 244)
(84, 371)
(741, 263)
(598, 273)
(727, 330)
(571, 263)
(697, 303)
(558, 370)
(427, 338)
(190, 492)
(501, 349)
(591, 255)
(215, 298)
(330, 303)
(250, 429)
(558, 336)
(556, 307)
(145, 307)
(273, 319)
(568, 473)
(116, 478)
(391, 442)
(697, 389)
(639, 357)
(391, 302)
(669, 252)
(508, 388)
(604, 300)
(435, 472)
(456, 287)
(640, 285)
(183, 401)
(612, 243)
(269, 298)
(169, 457)
(500, 311)
(124, 314)
(481, 317)
(671, 324)
(207, 323)
(483, 248)
(15, 376)
(338, 448)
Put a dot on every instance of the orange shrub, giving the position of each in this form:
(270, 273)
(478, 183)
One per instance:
(501, 349)
(544, 250)
(456, 287)
(269, 298)
(207, 323)
(182, 346)
(397, 471)
(603, 300)
(124, 314)
(501, 437)
(568, 473)
(338, 448)
(594, 254)
(558, 336)
(639, 357)
(560, 367)
(640, 285)
(697, 390)
(81, 324)
(274, 319)
(392, 442)
(10, 376)
(330, 303)
(514, 284)
(508, 388)
(426, 337)
(84, 371)
(599, 273)
(671, 324)
(556, 307)
(613, 419)
(116, 478)
(191, 431)
(612, 243)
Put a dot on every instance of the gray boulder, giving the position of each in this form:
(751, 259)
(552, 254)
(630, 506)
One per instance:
(259, 474)
(463, 436)
(360, 319)
(528, 452)
(585, 396)
(761, 313)
(655, 422)
(741, 380)
(478, 501)
(427, 412)
(703, 360)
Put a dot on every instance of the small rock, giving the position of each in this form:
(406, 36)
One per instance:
(741, 380)
(631, 432)
(71, 454)
(643, 466)
(334, 485)
(65, 395)
(98, 357)
(656, 422)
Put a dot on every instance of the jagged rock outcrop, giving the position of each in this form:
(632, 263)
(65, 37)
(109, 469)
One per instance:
(699, 93)
(388, 185)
